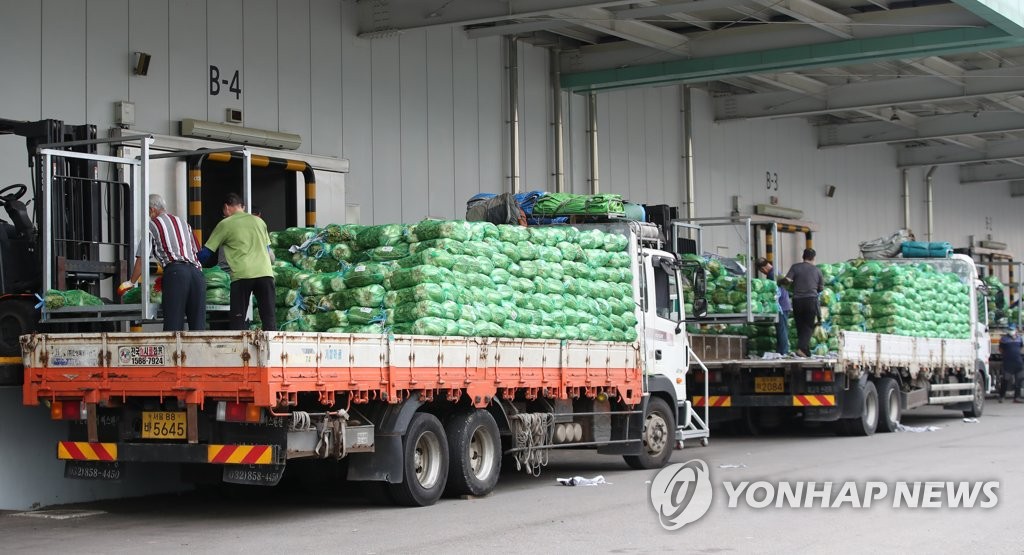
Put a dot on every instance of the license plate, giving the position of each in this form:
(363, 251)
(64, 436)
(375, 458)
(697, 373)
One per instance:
(769, 385)
(163, 425)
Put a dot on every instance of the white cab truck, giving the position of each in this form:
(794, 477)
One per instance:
(421, 415)
(864, 387)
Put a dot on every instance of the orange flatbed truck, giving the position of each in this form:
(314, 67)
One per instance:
(421, 414)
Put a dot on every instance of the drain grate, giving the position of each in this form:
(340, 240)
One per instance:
(60, 514)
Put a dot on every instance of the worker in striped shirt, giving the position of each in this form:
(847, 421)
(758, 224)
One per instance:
(184, 288)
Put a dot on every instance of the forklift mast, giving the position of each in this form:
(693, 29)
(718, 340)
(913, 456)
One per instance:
(87, 213)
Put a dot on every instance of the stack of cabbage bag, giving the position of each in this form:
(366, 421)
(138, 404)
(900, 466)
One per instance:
(863, 295)
(900, 299)
(445, 277)
(727, 293)
(218, 286)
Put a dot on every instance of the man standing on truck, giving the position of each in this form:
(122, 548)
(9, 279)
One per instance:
(807, 283)
(184, 288)
(785, 307)
(1013, 364)
(247, 249)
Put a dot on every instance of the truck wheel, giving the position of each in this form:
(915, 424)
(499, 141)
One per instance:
(867, 422)
(474, 448)
(425, 450)
(658, 437)
(888, 405)
(978, 403)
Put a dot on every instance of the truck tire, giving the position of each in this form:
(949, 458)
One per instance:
(659, 436)
(889, 411)
(425, 458)
(978, 403)
(867, 422)
(474, 453)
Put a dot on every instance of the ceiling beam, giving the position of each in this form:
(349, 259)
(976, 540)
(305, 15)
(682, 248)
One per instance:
(556, 26)
(685, 17)
(944, 155)
(813, 14)
(745, 39)
(927, 127)
(668, 8)
(648, 35)
(871, 94)
(392, 16)
(787, 59)
(990, 173)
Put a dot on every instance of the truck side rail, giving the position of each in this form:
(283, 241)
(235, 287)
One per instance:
(271, 369)
(880, 351)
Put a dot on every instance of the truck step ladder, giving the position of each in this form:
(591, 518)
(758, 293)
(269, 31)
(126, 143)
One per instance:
(692, 424)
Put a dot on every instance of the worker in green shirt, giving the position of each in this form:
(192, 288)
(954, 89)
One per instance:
(247, 249)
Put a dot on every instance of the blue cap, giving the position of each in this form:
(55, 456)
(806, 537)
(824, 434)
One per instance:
(1012, 327)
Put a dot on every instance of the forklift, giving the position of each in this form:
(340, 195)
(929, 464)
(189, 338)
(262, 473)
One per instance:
(90, 230)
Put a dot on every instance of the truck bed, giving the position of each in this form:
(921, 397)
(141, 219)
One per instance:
(272, 368)
(859, 350)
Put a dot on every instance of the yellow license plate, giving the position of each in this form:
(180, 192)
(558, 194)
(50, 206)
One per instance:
(163, 425)
(769, 385)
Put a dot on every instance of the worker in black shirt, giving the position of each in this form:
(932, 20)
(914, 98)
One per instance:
(807, 283)
(1013, 365)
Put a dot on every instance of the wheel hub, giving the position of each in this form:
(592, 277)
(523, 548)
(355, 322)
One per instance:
(655, 433)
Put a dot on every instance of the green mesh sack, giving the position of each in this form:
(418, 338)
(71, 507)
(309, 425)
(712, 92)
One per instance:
(322, 321)
(472, 265)
(500, 275)
(548, 285)
(369, 296)
(282, 256)
(363, 315)
(216, 277)
(319, 284)
(478, 231)
(591, 239)
(215, 296)
(570, 251)
(509, 250)
(335, 233)
(596, 258)
(284, 275)
(428, 326)
(443, 229)
(58, 299)
(298, 324)
(522, 285)
(480, 249)
(448, 245)
(526, 250)
(513, 233)
(613, 242)
(619, 260)
(408, 277)
(549, 254)
(437, 292)
(428, 257)
(365, 274)
(487, 329)
(389, 252)
(342, 252)
(411, 312)
(380, 236)
(472, 280)
(525, 269)
(280, 296)
(295, 236)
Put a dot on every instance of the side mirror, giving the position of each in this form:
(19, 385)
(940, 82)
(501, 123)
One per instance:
(700, 307)
(700, 284)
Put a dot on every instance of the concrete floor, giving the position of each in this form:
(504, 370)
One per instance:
(536, 514)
